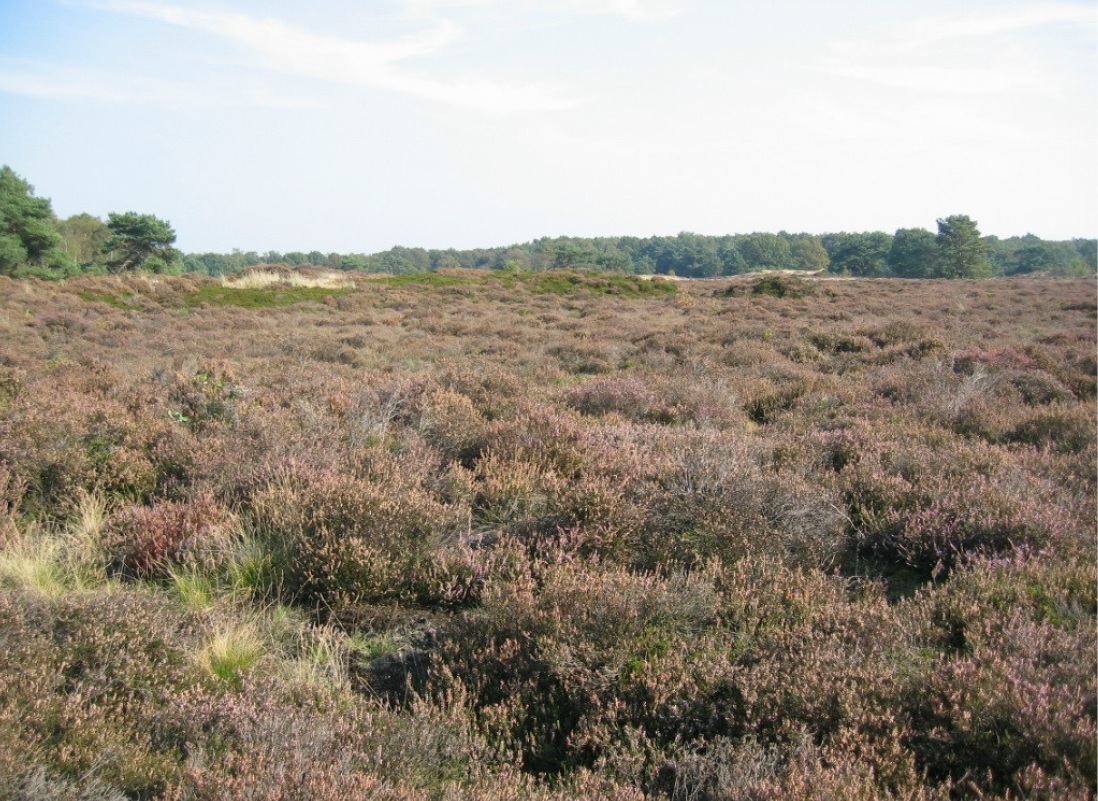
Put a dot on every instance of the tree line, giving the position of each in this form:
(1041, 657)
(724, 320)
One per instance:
(33, 241)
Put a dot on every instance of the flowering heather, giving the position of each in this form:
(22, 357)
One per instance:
(482, 536)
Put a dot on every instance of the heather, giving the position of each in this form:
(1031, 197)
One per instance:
(547, 535)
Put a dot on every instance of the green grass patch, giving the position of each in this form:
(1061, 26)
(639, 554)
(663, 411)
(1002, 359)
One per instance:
(270, 297)
(427, 280)
(193, 589)
(563, 283)
(122, 301)
(566, 283)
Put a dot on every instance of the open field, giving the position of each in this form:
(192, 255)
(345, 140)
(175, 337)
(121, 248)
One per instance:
(554, 535)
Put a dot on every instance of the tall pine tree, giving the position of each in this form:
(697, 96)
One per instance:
(962, 252)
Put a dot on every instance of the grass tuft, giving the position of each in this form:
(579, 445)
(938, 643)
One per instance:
(194, 589)
(51, 560)
(322, 659)
(231, 652)
(33, 562)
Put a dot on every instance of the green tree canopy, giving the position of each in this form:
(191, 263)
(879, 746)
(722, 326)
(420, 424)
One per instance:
(809, 254)
(85, 238)
(764, 251)
(861, 254)
(1088, 251)
(28, 228)
(141, 242)
(962, 252)
(914, 253)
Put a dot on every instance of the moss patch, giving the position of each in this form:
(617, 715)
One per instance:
(123, 301)
(575, 282)
(259, 298)
(427, 280)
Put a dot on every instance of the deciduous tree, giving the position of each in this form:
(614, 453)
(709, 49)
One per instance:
(85, 238)
(809, 254)
(914, 253)
(861, 254)
(764, 251)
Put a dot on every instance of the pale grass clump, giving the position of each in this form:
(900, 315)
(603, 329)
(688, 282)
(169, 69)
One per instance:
(322, 659)
(232, 651)
(260, 279)
(32, 561)
(84, 544)
(52, 559)
(277, 638)
(194, 589)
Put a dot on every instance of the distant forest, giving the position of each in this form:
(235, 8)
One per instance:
(35, 242)
(907, 253)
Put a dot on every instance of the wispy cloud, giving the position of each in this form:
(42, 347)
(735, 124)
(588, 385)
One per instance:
(963, 54)
(979, 26)
(633, 10)
(379, 65)
(54, 82)
(87, 84)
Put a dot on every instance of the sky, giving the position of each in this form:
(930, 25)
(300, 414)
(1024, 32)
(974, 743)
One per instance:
(353, 126)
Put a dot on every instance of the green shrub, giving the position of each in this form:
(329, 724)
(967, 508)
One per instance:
(782, 286)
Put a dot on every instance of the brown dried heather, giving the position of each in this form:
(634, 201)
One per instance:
(385, 536)
(146, 541)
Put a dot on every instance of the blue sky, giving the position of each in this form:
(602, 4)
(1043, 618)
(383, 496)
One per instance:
(354, 126)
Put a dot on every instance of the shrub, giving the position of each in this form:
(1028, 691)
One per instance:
(451, 423)
(625, 395)
(208, 397)
(715, 496)
(926, 507)
(345, 540)
(782, 286)
(104, 665)
(1017, 701)
(548, 656)
(148, 540)
(1067, 429)
(473, 541)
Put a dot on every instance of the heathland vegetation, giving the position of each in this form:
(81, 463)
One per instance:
(528, 534)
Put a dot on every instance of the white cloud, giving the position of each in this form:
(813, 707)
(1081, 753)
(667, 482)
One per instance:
(50, 81)
(946, 79)
(970, 54)
(632, 10)
(979, 26)
(292, 50)
(60, 83)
